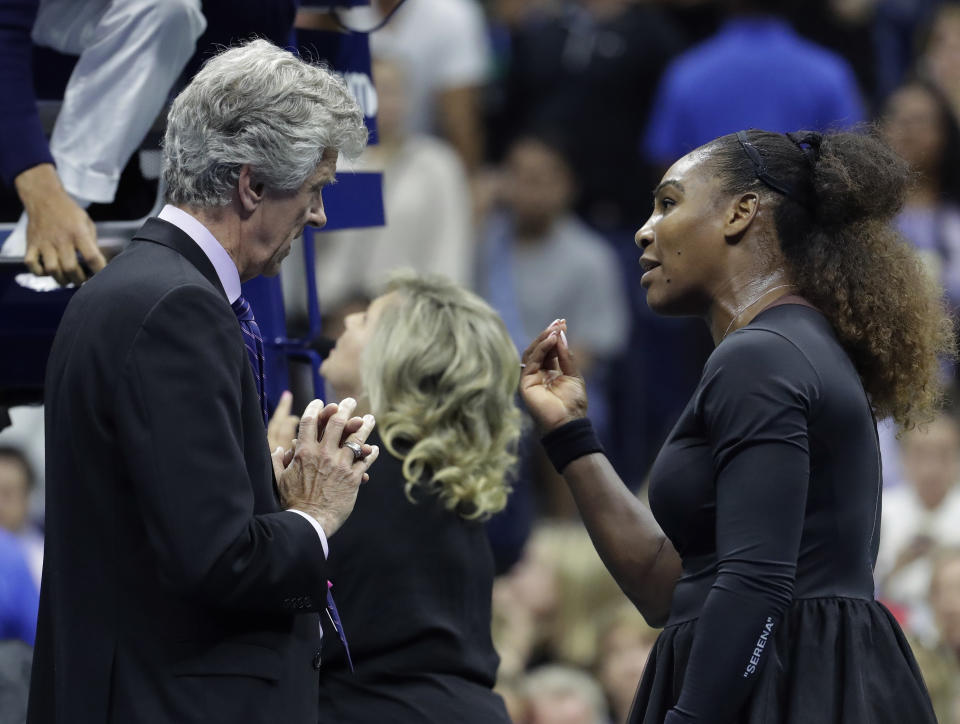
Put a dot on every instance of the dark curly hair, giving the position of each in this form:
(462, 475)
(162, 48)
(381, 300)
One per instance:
(847, 259)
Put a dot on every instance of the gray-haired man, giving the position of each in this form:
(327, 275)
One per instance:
(180, 583)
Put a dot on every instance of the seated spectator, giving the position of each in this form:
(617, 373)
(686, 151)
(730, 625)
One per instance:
(511, 689)
(625, 642)
(525, 604)
(16, 484)
(897, 29)
(436, 366)
(585, 590)
(564, 695)
(426, 199)
(563, 69)
(546, 608)
(446, 69)
(939, 657)
(920, 516)
(920, 126)
(444, 48)
(846, 27)
(19, 603)
(534, 237)
(940, 52)
(565, 269)
(756, 72)
(19, 599)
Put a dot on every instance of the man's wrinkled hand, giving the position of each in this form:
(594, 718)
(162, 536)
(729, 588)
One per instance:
(57, 228)
(320, 476)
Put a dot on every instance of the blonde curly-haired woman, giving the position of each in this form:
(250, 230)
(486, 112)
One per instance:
(413, 570)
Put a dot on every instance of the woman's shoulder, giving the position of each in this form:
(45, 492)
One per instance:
(771, 340)
(758, 357)
(790, 330)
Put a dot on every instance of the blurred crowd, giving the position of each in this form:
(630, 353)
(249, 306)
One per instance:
(519, 142)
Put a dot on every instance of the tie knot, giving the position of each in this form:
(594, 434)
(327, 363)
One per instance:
(241, 307)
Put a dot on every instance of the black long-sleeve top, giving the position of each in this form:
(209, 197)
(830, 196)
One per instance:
(413, 583)
(769, 489)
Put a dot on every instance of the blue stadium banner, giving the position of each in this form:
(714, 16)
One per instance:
(356, 200)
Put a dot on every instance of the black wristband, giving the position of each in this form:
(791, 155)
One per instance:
(570, 441)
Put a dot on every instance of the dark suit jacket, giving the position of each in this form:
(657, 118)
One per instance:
(174, 588)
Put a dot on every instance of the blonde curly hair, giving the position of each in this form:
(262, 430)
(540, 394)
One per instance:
(441, 373)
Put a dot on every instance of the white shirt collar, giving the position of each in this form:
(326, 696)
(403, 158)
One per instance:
(218, 256)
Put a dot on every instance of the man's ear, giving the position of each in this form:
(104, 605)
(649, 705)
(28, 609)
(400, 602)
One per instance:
(739, 215)
(249, 190)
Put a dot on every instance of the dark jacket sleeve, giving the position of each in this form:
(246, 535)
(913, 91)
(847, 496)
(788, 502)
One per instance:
(22, 142)
(179, 410)
(755, 405)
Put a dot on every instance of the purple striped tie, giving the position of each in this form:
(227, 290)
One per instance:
(334, 617)
(254, 344)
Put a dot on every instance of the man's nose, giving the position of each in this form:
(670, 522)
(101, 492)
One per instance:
(318, 216)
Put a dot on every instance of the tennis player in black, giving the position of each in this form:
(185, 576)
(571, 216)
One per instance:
(758, 555)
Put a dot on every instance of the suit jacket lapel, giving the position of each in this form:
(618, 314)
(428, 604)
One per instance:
(163, 232)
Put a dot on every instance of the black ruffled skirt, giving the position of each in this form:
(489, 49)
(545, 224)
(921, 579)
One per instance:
(837, 661)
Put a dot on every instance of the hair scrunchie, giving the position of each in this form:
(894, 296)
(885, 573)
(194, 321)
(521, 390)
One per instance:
(808, 142)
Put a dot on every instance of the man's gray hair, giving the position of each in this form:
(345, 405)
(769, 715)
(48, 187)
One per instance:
(260, 105)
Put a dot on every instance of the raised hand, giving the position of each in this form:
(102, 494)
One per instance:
(282, 428)
(550, 384)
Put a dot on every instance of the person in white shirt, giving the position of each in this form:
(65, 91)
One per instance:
(130, 54)
(426, 200)
(444, 46)
(920, 515)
